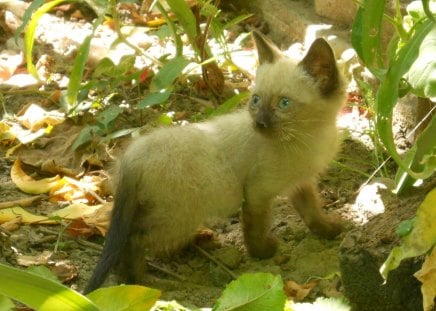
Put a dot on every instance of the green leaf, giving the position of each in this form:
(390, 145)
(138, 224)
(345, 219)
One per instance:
(44, 272)
(259, 291)
(27, 16)
(40, 293)
(6, 303)
(168, 73)
(185, 17)
(86, 134)
(420, 240)
(108, 116)
(125, 297)
(230, 104)
(405, 227)
(427, 9)
(79, 67)
(422, 74)
(366, 34)
(29, 35)
(156, 98)
(387, 95)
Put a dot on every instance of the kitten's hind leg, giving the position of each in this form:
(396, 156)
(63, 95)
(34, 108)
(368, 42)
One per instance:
(307, 203)
(132, 265)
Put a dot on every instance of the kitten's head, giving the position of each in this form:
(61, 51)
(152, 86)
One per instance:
(290, 96)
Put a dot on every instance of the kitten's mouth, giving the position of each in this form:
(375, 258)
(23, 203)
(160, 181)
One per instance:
(264, 130)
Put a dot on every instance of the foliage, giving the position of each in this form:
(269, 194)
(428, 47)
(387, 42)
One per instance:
(418, 238)
(407, 64)
(258, 291)
(160, 77)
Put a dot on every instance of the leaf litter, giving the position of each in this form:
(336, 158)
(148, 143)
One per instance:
(40, 137)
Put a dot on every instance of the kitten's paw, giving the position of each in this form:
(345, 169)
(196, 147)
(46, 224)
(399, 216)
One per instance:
(265, 248)
(328, 228)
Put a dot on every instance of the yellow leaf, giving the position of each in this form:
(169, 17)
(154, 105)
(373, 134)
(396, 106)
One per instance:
(12, 213)
(420, 240)
(427, 276)
(29, 185)
(74, 211)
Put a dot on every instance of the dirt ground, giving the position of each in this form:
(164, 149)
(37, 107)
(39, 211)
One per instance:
(193, 277)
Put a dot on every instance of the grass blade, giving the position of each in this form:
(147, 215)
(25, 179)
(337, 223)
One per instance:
(29, 35)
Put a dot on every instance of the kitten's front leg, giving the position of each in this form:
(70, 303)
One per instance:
(307, 203)
(256, 220)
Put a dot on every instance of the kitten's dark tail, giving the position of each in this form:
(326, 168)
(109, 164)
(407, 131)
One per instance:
(123, 211)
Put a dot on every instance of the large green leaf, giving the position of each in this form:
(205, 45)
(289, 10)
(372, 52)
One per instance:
(125, 298)
(387, 94)
(259, 291)
(366, 34)
(40, 293)
(422, 74)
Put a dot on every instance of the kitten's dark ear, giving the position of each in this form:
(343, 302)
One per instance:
(267, 51)
(320, 63)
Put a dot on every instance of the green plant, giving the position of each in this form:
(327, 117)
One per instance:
(90, 95)
(38, 290)
(408, 66)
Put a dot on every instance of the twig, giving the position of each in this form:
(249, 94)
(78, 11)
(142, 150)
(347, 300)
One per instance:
(175, 275)
(216, 261)
(22, 202)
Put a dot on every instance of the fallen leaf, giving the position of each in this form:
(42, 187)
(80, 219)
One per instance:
(12, 225)
(64, 270)
(100, 219)
(29, 185)
(298, 292)
(427, 276)
(40, 259)
(35, 118)
(10, 214)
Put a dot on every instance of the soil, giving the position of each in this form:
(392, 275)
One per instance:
(192, 277)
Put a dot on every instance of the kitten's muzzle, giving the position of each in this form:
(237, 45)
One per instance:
(263, 119)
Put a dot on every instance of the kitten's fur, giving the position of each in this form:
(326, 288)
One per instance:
(172, 180)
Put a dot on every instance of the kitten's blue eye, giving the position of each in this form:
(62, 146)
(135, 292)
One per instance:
(284, 103)
(255, 101)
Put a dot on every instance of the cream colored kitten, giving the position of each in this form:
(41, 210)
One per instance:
(174, 179)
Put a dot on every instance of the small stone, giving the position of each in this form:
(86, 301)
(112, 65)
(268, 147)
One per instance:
(230, 256)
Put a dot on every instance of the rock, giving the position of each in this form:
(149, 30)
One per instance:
(363, 251)
(340, 11)
(230, 256)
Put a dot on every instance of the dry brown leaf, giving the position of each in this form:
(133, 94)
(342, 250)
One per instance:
(41, 259)
(29, 185)
(100, 219)
(427, 276)
(64, 270)
(297, 292)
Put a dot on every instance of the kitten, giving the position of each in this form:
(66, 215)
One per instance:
(172, 180)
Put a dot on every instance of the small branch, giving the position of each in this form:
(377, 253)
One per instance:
(22, 202)
(216, 261)
(174, 275)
